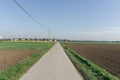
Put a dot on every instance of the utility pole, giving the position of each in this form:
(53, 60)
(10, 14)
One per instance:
(49, 38)
(30, 16)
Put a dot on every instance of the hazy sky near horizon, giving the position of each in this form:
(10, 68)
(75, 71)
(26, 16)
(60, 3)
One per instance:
(69, 19)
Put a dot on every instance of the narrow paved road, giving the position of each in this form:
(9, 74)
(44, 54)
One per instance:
(54, 65)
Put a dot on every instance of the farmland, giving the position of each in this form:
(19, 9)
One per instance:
(107, 56)
(10, 57)
(17, 57)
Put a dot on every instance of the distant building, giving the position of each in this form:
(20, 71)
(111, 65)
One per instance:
(1, 38)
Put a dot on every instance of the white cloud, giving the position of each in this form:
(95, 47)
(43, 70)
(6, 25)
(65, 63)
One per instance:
(111, 28)
(108, 33)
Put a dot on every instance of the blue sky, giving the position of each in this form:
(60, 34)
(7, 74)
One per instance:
(69, 19)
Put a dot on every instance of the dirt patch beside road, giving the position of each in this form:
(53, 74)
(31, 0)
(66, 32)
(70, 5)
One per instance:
(10, 57)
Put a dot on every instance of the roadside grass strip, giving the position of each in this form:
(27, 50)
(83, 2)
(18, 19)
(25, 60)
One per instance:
(16, 71)
(89, 70)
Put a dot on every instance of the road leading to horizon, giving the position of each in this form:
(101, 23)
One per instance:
(54, 65)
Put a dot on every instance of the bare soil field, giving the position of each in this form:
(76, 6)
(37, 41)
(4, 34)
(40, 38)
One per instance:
(10, 57)
(107, 56)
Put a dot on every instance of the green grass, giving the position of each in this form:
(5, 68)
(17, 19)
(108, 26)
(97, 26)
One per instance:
(93, 42)
(16, 71)
(24, 45)
(89, 70)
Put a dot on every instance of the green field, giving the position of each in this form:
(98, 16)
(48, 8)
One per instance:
(16, 71)
(25, 45)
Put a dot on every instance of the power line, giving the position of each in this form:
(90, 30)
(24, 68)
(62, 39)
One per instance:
(27, 13)
(37, 22)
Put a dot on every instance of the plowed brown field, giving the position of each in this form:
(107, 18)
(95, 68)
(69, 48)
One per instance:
(107, 56)
(10, 57)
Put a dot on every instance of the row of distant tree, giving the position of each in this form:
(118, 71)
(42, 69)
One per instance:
(28, 39)
(46, 39)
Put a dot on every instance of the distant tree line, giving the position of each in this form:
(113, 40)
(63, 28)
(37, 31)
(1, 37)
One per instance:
(29, 39)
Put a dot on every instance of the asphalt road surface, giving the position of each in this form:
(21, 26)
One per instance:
(54, 65)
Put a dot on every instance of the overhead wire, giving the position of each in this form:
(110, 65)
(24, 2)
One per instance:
(27, 13)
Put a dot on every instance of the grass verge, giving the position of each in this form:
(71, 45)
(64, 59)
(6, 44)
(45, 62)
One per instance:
(89, 70)
(16, 71)
(94, 42)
